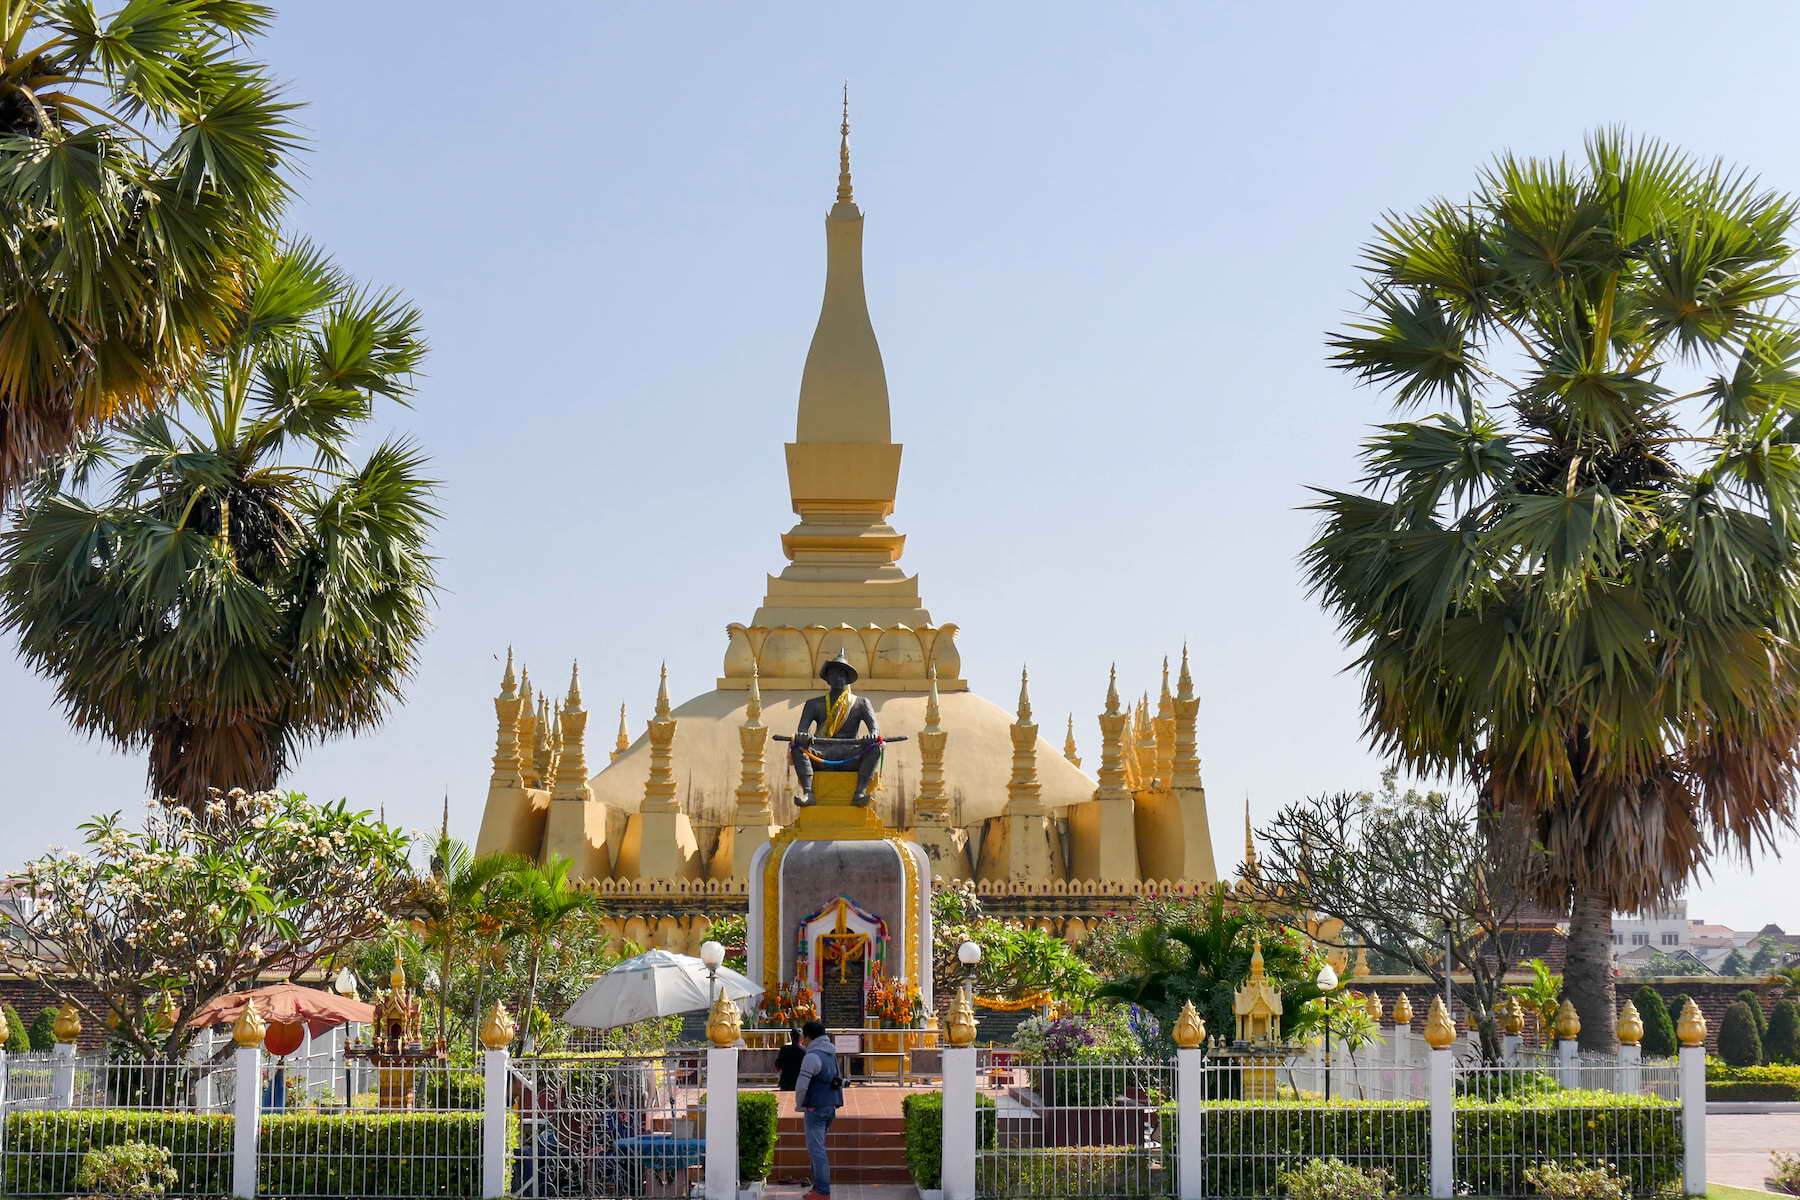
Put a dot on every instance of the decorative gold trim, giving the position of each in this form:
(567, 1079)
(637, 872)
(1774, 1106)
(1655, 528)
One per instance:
(910, 897)
(778, 846)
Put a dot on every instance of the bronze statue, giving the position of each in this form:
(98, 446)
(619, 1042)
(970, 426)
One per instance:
(837, 745)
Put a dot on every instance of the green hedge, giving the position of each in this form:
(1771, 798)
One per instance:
(924, 1115)
(1250, 1142)
(757, 1117)
(455, 1089)
(44, 1149)
(1745, 1089)
(1116, 1172)
(1496, 1140)
(314, 1154)
(1719, 1072)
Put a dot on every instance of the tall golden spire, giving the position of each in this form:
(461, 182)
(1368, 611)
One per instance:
(1164, 726)
(571, 754)
(623, 742)
(932, 804)
(659, 787)
(753, 785)
(1070, 750)
(1185, 767)
(845, 193)
(527, 730)
(1249, 841)
(507, 768)
(1022, 789)
(1112, 783)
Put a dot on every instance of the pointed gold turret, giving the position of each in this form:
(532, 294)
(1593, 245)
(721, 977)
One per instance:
(1164, 725)
(1112, 781)
(1070, 750)
(753, 784)
(1022, 789)
(1109, 852)
(526, 734)
(932, 804)
(508, 772)
(659, 788)
(623, 742)
(1185, 769)
(571, 752)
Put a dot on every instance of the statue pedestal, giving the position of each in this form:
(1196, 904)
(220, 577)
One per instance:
(839, 891)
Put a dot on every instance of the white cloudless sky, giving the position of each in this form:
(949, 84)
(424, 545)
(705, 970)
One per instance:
(1104, 243)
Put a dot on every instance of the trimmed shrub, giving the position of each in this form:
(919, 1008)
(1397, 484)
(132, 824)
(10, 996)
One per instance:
(1116, 1172)
(370, 1154)
(1740, 1041)
(18, 1037)
(1659, 1025)
(127, 1169)
(1783, 1043)
(757, 1116)
(1769, 1081)
(455, 1089)
(1332, 1179)
(924, 1114)
(43, 1030)
(1573, 1181)
(45, 1150)
(1638, 1135)
(1249, 1143)
(1749, 999)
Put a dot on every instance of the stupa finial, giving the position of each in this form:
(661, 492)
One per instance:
(1165, 699)
(509, 682)
(621, 743)
(1184, 683)
(662, 694)
(932, 715)
(1070, 750)
(753, 707)
(845, 193)
(1249, 838)
(573, 699)
(1024, 694)
(1112, 689)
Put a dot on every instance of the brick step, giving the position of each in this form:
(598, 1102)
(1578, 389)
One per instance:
(856, 1124)
(845, 1175)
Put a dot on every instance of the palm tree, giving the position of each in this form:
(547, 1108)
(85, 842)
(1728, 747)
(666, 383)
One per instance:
(1575, 584)
(455, 899)
(214, 599)
(141, 170)
(1204, 955)
(1542, 997)
(539, 905)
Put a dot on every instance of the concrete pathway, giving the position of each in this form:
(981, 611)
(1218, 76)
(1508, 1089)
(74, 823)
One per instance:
(1739, 1145)
(850, 1191)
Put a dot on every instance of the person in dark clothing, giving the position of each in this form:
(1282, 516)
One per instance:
(818, 1094)
(788, 1060)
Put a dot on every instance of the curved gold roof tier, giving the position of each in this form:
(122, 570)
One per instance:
(695, 794)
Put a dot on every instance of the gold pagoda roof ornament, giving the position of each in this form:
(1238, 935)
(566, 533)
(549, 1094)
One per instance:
(1070, 750)
(846, 194)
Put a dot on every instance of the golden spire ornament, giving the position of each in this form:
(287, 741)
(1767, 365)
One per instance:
(1630, 1026)
(1439, 1031)
(1190, 1030)
(249, 1029)
(846, 194)
(498, 1029)
(1568, 1022)
(1403, 1013)
(1690, 1030)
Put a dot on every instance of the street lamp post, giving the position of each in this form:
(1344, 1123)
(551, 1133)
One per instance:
(712, 956)
(1327, 981)
(969, 955)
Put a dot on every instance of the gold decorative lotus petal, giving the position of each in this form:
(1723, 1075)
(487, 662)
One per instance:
(1190, 1031)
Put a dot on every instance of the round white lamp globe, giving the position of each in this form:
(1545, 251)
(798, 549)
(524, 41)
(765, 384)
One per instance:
(1327, 979)
(345, 983)
(968, 954)
(712, 954)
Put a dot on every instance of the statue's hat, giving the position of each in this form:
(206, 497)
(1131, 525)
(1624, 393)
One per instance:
(840, 661)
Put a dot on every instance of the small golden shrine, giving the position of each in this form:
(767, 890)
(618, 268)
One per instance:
(399, 1040)
(1257, 1004)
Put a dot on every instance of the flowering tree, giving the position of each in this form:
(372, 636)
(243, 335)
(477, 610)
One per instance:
(161, 920)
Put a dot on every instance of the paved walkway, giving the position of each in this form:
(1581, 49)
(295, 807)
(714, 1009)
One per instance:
(1738, 1146)
(851, 1191)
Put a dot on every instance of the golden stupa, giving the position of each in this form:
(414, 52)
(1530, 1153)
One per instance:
(673, 818)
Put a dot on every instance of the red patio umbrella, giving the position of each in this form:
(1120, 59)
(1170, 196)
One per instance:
(286, 1004)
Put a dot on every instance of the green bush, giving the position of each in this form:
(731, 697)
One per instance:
(455, 1089)
(1750, 1000)
(43, 1030)
(127, 1169)
(1784, 1172)
(18, 1037)
(1574, 1181)
(311, 1154)
(924, 1115)
(1659, 1025)
(1762, 1073)
(1740, 1041)
(1250, 1142)
(1334, 1179)
(1733, 1089)
(1639, 1135)
(1783, 1043)
(756, 1125)
(370, 1154)
(1117, 1172)
(45, 1150)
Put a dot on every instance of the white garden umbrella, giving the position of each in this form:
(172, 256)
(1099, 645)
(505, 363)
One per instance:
(654, 984)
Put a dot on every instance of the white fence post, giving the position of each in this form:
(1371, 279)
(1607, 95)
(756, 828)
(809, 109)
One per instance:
(721, 1122)
(495, 1065)
(202, 1055)
(959, 1123)
(62, 1075)
(246, 1112)
(1190, 1134)
(1693, 1114)
(2, 1095)
(1440, 1035)
(1630, 1072)
(1568, 1070)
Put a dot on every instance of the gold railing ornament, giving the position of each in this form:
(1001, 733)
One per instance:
(1374, 1005)
(724, 1022)
(1568, 1022)
(249, 1029)
(1512, 1016)
(498, 1029)
(959, 1027)
(1691, 1029)
(66, 1029)
(1403, 1010)
(1631, 1025)
(1190, 1031)
(1439, 1032)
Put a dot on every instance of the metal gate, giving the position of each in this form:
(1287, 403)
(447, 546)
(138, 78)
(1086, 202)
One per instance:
(608, 1127)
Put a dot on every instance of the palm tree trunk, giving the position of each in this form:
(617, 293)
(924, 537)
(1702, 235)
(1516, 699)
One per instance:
(537, 958)
(186, 759)
(1587, 969)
